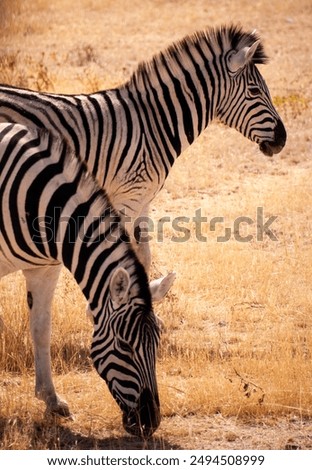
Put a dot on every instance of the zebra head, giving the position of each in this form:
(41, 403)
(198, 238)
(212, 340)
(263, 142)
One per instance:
(246, 104)
(124, 349)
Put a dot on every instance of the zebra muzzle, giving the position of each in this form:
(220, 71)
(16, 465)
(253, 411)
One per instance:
(143, 420)
(269, 148)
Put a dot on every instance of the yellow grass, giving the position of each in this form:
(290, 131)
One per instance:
(238, 339)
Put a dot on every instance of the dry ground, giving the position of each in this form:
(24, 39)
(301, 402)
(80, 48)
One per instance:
(235, 363)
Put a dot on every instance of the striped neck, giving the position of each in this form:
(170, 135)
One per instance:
(179, 92)
(93, 245)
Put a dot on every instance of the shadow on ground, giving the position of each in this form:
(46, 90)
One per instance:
(59, 437)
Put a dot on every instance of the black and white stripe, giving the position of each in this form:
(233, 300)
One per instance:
(130, 136)
(52, 212)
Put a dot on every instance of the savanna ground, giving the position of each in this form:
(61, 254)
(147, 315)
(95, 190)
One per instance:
(234, 369)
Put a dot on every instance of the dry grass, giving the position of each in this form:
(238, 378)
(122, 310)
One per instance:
(238, 342)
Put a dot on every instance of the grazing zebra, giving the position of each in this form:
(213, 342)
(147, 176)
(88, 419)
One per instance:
(130, 136)
(52, 212)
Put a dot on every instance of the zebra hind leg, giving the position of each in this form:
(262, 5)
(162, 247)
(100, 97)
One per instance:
(41, 283)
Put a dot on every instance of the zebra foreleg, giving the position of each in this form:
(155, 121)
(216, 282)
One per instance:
(143, 250)
(41, 283)
(140, 233)
(159, 287)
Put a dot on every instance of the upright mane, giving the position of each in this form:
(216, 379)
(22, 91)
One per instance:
(218, 40)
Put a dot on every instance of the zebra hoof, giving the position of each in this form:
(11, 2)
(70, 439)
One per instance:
(59, 413)
(59, 408)
(55, 417)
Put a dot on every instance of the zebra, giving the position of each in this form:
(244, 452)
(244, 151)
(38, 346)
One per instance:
(53, 213)
(130, 136)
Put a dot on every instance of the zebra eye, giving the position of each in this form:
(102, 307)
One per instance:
(254, 91)
(124, 346)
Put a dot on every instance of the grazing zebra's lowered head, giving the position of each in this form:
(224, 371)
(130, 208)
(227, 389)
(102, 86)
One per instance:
(124, 347)
(53, 212)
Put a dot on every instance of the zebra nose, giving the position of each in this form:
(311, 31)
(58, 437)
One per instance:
(145, 419)
(149, 412)
(269, 148)
(280, 135)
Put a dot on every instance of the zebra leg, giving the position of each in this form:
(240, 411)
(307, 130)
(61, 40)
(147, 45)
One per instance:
(143, 250)
(41, 283)
(159, 287)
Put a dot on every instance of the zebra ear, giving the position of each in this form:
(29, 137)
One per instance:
(238, 59)
(119, 286)
(160, 287)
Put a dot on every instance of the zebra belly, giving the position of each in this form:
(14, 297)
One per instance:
(10, 264)
(6, 267)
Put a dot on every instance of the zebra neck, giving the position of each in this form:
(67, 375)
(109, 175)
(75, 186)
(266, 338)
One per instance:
(91, 246)
(176, 99)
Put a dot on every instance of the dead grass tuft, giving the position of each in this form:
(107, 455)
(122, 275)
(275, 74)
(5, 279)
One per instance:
(24, 72)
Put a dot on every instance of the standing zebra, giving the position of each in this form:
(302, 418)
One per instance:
(52, 212)
(130, 136)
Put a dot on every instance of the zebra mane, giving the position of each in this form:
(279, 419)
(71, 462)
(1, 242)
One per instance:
(220, 40)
